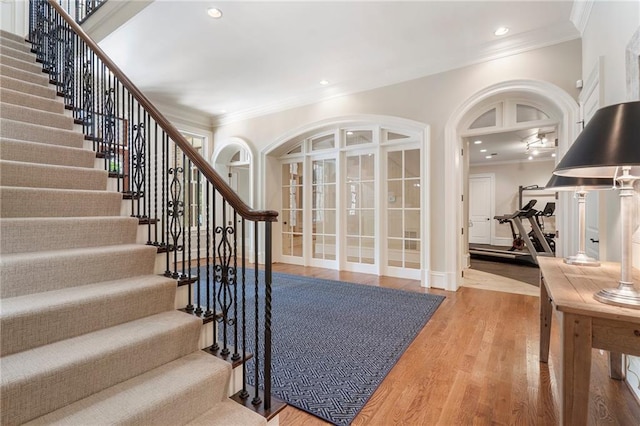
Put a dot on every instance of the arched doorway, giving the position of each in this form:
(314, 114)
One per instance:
(234, 161)
(550, 97)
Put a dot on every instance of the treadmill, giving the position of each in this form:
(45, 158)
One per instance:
(529, 252)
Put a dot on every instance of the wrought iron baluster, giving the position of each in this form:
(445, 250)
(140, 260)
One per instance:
(175, 209)
(208, 312)
(244, 394)
(199, 288)
(236, 355)
(256, 354)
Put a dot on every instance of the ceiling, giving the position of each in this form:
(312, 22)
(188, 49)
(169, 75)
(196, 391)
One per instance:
(266, 56)
(510, 147)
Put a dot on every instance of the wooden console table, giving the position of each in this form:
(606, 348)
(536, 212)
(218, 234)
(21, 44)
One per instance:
(584, 324)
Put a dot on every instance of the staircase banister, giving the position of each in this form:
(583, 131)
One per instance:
(205, 168)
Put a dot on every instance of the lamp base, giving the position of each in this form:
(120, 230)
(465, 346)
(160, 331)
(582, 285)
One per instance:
(625, 295)
(581, 259)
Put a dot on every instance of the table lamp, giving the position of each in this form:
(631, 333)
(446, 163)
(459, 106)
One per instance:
(579, 185)
(609, 147)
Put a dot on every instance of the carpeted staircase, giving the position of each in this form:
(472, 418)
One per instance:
(89, 331)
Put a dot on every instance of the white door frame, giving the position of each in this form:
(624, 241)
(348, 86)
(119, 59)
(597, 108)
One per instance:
(454, 247)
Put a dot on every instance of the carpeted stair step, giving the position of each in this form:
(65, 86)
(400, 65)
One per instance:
(44, 379)
(6, 51)
(226, 413)
(12, 36)
(25, 65)
(38, 319)
(15, 97)
(31, 115)
(45, 202)
(29, 273)
(41, 79)
(11, 129)
(32, 175)
(22, 235)
(34, 152)
(171, 394)
(47, 92)
(14, 40)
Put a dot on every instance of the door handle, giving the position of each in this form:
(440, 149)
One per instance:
(594, 241)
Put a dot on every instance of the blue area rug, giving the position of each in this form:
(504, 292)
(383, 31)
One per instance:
(333, 342)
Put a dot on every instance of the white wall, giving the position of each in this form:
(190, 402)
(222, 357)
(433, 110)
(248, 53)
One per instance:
(609, 29)
(508, 177)
(430, 100)
(14, 16)
(608, 32)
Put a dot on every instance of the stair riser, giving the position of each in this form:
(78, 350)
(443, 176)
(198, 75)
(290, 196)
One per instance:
(46, 92)
(7, 51)
(28, 202)
(11, 36)
(39, 79)
(89, 311)
(11, 129)
(54, 270)
(30, 115)
(10, 41)
(33, 152)
(35, 102)
(199, 377)
(28, 66)
(69, 383)
(34, 235)
(45, 176)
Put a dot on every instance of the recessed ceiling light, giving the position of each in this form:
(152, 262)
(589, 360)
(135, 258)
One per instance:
(349, 133)
(501, 31)
(214, 12)
(535, 152)
(553, 155)
(488, 157)
(531, 157)
(483, 150)
(477, 142)
(324, 82)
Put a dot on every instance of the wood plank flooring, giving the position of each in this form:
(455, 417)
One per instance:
(475, 362)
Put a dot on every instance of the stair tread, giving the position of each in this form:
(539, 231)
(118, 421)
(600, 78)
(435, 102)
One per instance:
(36, 175)
(27, 87)
(14, 129)
(21, 235)
(51, 376)
(137, 397)
(26, 114)
(73, 252)
(70, 312)
(16, 97)
(66, 153)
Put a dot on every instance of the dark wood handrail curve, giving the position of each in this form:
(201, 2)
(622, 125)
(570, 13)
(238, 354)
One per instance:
(205, 168)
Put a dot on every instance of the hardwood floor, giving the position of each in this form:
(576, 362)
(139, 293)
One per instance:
(475, 362)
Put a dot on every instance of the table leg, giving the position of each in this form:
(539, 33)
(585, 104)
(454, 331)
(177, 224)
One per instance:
(576, 369)
(546, 312)
(616, 369)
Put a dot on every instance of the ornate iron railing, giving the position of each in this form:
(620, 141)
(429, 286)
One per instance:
(191, 215)
(81, 10)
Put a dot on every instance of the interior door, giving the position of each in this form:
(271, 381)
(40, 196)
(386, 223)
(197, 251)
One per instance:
(480, 206)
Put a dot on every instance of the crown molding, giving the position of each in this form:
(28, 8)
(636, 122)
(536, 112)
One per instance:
(112, 15)
(184, 115)
(580, 13)
(509, 46)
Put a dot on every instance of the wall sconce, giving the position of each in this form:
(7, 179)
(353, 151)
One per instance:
(580, 186)
(609, 146)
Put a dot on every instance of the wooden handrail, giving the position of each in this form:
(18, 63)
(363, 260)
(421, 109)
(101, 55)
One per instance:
(205, 168)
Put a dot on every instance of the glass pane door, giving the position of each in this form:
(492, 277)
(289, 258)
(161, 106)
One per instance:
(324, 209)
(360, 209)
(403, 201)
(292, 199)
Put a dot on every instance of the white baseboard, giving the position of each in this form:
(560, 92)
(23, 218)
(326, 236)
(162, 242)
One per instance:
(444, 280)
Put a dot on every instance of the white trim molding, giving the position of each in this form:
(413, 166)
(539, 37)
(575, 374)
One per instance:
(580, 13)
